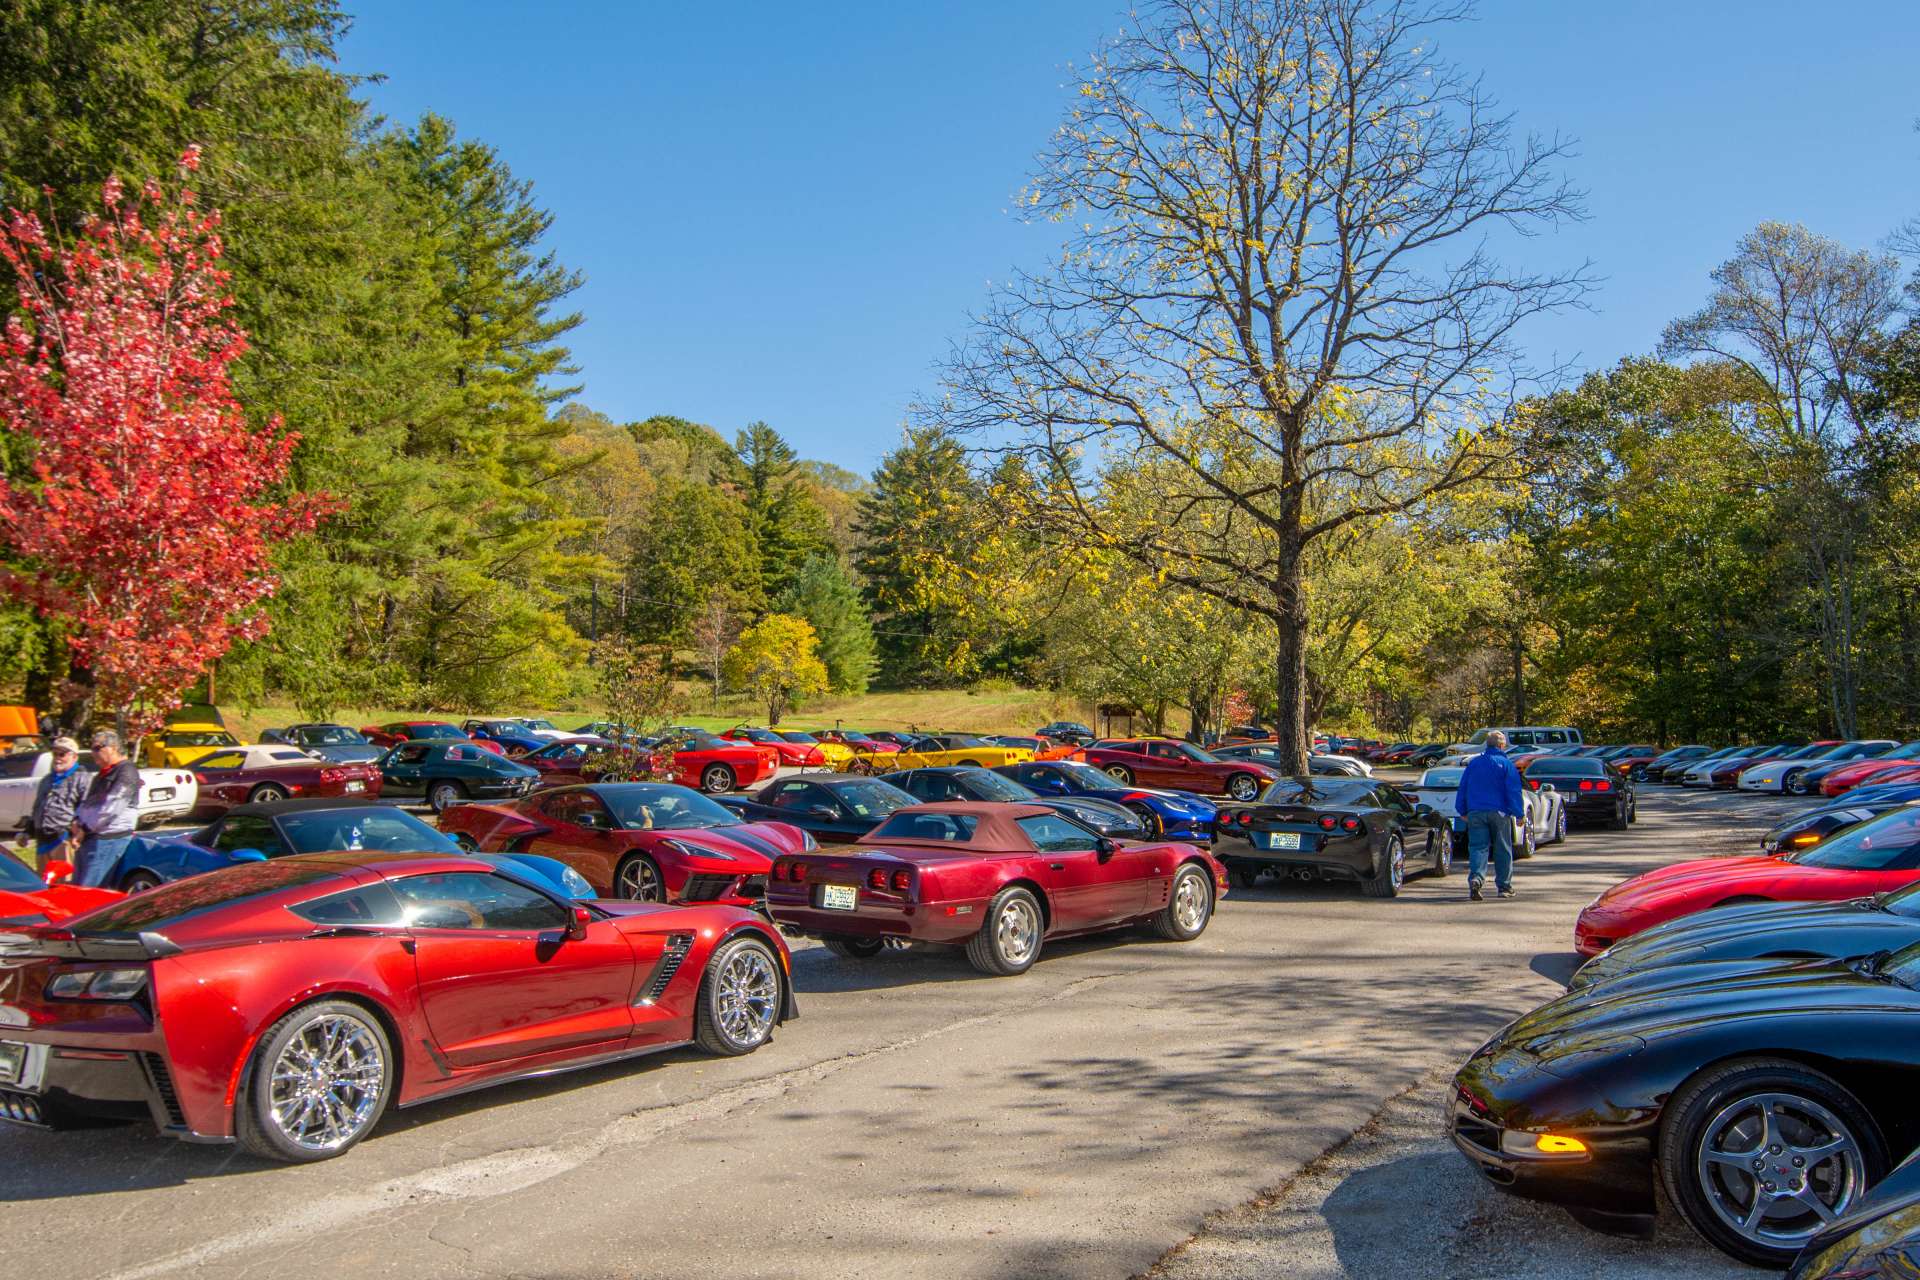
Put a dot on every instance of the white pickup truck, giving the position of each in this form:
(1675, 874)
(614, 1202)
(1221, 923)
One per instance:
(165, 794)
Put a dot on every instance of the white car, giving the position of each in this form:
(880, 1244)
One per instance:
(1546, 820)
(165, 794)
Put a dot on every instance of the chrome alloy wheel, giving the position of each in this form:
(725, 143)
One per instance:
(1777, 1167)
(1444, 862)
(747, 997)
(1017, 930)
(639, 882)
(327, 1083)
(1190, 902)
(1397, 862)
(1243, 787)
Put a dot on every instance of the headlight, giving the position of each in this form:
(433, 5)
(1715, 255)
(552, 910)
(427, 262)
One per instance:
(98, 984)
(576, 884)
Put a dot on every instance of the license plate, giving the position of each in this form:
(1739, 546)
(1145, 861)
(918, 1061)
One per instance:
(160, 793)
(839, 897)
(13, 1058)
(1283, 839)
(356, 786)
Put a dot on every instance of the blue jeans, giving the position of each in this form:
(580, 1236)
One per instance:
(98, 856)
(1490, 827)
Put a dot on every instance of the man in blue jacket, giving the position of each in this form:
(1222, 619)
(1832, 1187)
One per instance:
(1490, 799)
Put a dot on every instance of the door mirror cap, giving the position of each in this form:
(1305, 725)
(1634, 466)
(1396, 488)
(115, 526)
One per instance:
(577, 921)
(247, 855)
(57, 871)
(1105, 847)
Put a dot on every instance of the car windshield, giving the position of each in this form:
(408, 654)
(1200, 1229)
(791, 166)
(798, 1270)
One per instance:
(184, 899)
(541, 724)
(872, 798)
(758, 735)
(1192, 752)
(660, 806)
(432, 731)
(804, 739)
(332, 735)
(701, 741)
(1085, 777)
(915, 824)
(1888, 842)
(1903, 966)
(1318, 791)
(957, 741)
(853, 735)
(987, 785)
(1567, 767)
(1434, 779)
(15, 876)
(202, 738)
(374, 827)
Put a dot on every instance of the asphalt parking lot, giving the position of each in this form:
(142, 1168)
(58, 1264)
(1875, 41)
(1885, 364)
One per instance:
(1264, 1101)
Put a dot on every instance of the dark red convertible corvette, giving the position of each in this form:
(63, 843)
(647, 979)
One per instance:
(286, 1005)
(996, 879)
(650, 841)
(1178, 766)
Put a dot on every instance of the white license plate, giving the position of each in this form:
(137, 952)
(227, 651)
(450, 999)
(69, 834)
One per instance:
(1283, 839)
(13, 1059)
(839, 897)
(356, 786)
(160, 793)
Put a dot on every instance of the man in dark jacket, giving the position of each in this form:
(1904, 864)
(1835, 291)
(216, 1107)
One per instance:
(1490, 798)
(57, 798)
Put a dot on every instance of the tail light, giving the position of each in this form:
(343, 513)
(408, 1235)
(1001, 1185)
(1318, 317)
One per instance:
(1533, 784)
(1246, 819)
(902, 881)
(797, 872)
(1328, 823)
(876, 879)
(1603, 785)
(1349, 824)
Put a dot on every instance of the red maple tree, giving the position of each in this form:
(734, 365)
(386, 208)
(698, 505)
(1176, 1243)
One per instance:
(146, 521)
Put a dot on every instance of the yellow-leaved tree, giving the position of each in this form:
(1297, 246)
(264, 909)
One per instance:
(777, 660)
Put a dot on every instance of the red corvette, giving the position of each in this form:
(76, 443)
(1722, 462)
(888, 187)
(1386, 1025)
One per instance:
(715, 765)
(649, 841)
(799, 755)
(386, 735)
(258, 774)
(286, 1004)
(1178, 766)
(560, 761)
(1880, 854)
(26, 898)
(1876, 769)
(996, 879)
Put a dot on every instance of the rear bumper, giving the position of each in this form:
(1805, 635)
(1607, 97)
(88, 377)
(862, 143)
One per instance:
(949, 923)
(63, 1081)
(1346, 859)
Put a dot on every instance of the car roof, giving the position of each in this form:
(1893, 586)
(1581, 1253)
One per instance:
(386, 862)
(996, 825)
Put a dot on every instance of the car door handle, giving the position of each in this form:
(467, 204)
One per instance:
(1056, 866)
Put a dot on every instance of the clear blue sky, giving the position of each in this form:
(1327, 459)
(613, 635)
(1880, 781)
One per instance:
(788, 211)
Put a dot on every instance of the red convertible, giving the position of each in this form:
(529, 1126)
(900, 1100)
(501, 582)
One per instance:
(257, 774)
(798, 755)
(996, 879)
(26, 898)
(1876, 856)
(1178, 766)
(649, 841)
(286, 1005)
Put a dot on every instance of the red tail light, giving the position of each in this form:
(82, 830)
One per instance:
(902, 881)
(1350, 824)
(1603, 785)
(1533, 784)
(1327, 823)
(797, 872)
(1246, 819)
(876, 879)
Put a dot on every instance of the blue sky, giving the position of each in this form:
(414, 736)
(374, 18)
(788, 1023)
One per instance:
(788, 211)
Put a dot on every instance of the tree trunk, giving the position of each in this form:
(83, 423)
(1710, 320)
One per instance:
(1519, 679)
(1290, 726)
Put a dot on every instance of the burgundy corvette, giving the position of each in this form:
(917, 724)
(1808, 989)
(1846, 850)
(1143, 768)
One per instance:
(386, 735)
(560, 762)
(257, 774)
(286, 1005)
(649, 841)
(1178, 766)
(996, 879)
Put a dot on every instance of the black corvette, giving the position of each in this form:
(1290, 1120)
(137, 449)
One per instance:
(1765, 1096)
(1319, 828)
(1804, 830)
(1762, 931)
(1879, 1240)
(1591, 789)
(832, 808)
(970, 782)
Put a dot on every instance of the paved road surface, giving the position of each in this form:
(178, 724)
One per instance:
(922, 1120)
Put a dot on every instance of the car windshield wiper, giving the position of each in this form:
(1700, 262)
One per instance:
(1868, 966)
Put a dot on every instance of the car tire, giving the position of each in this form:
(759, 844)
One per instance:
(466, 842)
(740, 998)
(716, 779)
(266, 793)
(1633, 810)
(1617, 820)
(1009, 938)
(1528, 846)
(1148, 819)
(1243, 787)
(1189, 905)
(855, 948)
(1386, 882)
(1790, 785)
(1791, 1101)
(1441, 843)
(1120, 774)
(637, 879)
(140, 882)
(362, 1064)
(443, 794)
(1560, 827)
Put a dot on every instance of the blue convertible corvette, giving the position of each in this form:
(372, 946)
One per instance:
(1169, 815)
(256, 832)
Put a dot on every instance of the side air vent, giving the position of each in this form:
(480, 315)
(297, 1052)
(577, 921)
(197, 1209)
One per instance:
(678, 944)
(163, 1085)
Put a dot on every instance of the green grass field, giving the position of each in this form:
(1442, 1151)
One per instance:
(963, 710)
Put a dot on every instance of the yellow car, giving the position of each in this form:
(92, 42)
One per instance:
(942, 748)
(179, 745)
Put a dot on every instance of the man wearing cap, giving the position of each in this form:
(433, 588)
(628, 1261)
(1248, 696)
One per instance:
(58, 798)
(109, 812)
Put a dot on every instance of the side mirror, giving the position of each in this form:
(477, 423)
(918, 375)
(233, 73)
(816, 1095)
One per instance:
(1106, 848)
(1424, 810)
(57, 871)
(1544, 786)
(825, 812)
(247, 855)
(577, 923)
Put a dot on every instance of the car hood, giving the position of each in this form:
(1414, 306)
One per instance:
(750, 842)
(348, 754)
(1699, 874)
(1685, 1000)
(1847, 928)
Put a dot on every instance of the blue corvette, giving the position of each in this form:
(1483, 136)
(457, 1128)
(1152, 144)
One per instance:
(257, 832)
(1169, 815)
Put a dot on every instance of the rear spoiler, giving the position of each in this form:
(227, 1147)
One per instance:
(66, 944)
